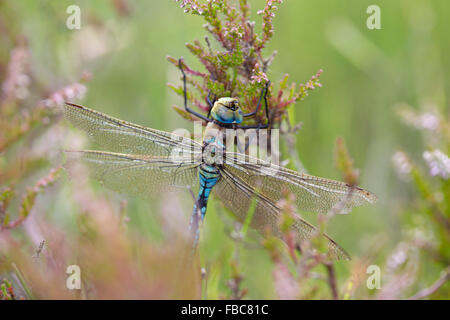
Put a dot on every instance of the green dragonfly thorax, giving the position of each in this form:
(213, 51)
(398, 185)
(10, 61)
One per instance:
(226, 110)
(213, 147)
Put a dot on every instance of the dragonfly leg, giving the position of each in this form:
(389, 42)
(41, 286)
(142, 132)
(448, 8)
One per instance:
(265, 102)
(258, 106)
(198, 115)
(256, 126)
(247, 143)
(210, 103)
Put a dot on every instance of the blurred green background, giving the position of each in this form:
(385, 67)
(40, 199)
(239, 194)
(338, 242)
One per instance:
(367, 73)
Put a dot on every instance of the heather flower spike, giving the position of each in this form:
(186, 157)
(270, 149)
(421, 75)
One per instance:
(238, 68)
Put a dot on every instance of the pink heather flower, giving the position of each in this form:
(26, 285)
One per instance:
(427, 120)
(23, 80)
(57, 98)
(402, 163)
(80, 90)
(183, 3)
(398, 257)
(17, 81)
(69, 93)
(285, 286)
(438, 162)
(310, 85)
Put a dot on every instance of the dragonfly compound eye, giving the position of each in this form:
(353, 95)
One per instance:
(233, 105)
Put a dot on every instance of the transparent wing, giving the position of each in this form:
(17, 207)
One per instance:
(237, 195)
(124, 137)
(312, 194)
(138, 175)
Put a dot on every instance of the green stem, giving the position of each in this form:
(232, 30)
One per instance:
(21, 278)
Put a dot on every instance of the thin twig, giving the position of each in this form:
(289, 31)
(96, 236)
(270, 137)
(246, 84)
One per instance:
(195, 217)
(204, 284)
(290, 141)
(332, 280)
(429, 291)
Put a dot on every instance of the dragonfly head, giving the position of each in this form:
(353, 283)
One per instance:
(227, 110)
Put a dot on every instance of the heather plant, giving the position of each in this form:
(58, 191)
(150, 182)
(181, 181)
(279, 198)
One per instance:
(25, 172)
(428, 230)
(237, 66)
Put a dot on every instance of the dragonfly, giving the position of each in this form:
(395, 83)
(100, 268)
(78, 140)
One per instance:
(146, 162)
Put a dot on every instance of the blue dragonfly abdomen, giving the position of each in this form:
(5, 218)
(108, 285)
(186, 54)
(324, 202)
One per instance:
(208, 175)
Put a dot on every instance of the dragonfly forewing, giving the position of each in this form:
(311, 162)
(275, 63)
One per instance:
(138, 175)
(124, 137)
